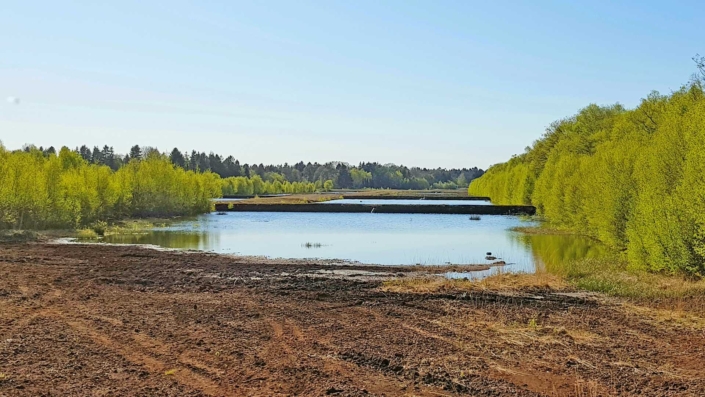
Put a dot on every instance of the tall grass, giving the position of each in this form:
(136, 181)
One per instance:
(614, 277)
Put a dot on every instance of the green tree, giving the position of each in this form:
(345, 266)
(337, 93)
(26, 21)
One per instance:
(136, 152)
(634, 179)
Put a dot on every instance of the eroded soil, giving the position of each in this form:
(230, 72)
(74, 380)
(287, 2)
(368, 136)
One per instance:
(123, 320)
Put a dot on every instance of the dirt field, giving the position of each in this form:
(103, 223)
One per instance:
(123, 321)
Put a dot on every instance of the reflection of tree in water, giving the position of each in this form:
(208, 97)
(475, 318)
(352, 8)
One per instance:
(553, 252)
(168, 239)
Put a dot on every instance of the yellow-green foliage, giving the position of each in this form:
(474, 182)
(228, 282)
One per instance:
(634, 179)
(360, 177)
(64, 191)
(506, 183)
(243, 186)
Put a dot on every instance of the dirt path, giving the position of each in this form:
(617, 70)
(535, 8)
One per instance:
(121, 321)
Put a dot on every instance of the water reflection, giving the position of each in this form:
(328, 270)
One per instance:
(553, 252)
(168, 239)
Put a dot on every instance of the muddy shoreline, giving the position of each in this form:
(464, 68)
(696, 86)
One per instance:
(126, 320)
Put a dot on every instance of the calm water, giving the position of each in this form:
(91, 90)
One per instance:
(389, 239)
(408, 202)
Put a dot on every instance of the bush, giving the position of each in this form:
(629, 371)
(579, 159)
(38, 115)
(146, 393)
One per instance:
(100, 227)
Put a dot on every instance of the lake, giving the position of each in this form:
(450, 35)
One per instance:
(387, 239)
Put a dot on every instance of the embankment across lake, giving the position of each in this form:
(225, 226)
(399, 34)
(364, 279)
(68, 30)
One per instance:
(382, 209)
(430, 196)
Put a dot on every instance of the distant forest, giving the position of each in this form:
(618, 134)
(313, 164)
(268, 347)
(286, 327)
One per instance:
(343, 176)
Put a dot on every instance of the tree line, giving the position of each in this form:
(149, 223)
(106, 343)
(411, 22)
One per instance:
(43, 189)
(632, 178)
(342, 175)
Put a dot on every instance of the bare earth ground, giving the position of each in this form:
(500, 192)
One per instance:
(123, 320)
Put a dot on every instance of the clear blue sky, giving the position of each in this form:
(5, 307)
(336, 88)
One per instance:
(427, 83)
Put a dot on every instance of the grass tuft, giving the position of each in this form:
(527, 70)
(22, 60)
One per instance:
(86, 234)
(532, 324)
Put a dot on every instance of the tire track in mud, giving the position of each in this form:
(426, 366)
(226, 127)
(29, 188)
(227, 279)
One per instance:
(496, 371)
(182, 374)
(428, 381)
(515, 374)
(313, 349)
(72, 316)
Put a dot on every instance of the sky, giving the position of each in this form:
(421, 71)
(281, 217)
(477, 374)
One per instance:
(419, 83)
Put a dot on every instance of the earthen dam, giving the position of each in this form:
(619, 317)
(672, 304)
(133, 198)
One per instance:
(381, 208)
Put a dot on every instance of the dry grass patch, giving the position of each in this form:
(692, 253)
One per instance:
(532, 332)
(504, 282)
(580, 336)
(292, 199)
(393, 193)
(588, 388)
(441, 269)
(678, 314)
